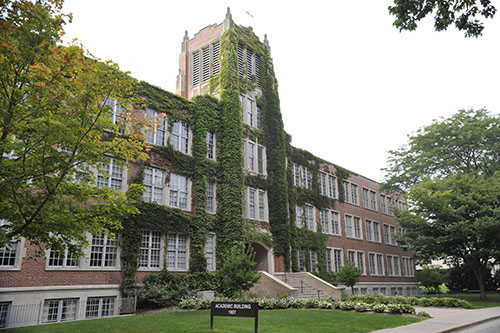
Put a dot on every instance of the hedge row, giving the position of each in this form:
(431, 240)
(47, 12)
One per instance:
(449, 302)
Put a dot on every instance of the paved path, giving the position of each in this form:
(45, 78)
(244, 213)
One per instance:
(447, 320)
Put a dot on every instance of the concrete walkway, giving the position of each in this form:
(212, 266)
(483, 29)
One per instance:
(447, 319)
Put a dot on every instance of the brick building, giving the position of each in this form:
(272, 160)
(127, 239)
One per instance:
(220, 145)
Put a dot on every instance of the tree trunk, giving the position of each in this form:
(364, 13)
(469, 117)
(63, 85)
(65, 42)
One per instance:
(479, 272)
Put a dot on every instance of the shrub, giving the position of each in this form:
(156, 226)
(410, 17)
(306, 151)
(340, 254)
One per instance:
(377, 307)
(311, 303)
(324, 304)
(361, 307)
(423, 314)
(161, 290)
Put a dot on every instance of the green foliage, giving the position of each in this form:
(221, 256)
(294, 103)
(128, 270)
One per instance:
(52, 97)
(467, 142)
(462, 278)
(162, 290)
(449, 302)
(237, 272)
(430, 278)
(349, 275)
(462, 13)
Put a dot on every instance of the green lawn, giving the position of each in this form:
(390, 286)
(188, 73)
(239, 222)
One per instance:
(493, 299)
(288, 321)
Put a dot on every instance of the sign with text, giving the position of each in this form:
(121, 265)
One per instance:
(234, 309)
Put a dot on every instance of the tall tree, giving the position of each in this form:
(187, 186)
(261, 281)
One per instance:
(349, 275)
(59, 117)
(456, 219)
(462, 13)
(450, 171)
(467, 142)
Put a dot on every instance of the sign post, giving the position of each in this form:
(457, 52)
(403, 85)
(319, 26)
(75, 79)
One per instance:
(235, 309)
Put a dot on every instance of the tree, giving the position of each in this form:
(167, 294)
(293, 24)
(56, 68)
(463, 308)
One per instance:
(349, 276)
(59, 117)
(462, 13)
(450, 170)
(430, 278)
(456, 219)
(467, 142)
(238, 271)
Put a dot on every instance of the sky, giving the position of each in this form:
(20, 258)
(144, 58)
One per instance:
(352, 87)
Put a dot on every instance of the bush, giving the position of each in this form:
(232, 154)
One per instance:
(377, 307)
(423, 314)
(161, 290)
(361, 307)
(462, 278)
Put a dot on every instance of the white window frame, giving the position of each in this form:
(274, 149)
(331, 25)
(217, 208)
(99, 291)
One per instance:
(369, 199)
(211, 145)
(110, 247)
(177, 138)
(335, 266)
(210, 248)
(104, 307)
(151, 251)
(67, 261)
(370, 227)
(176, 250)
(157, 134)
(59, 309)
(323, 183)
(356, 260)
(379, 270)
(107, 173)
(386, 204)
(11, 253)
(253, 210)
(351, 192)
(211, 196)
(332, 186)
(173, 186)
(313, 261)
(254, 163)
(391, 267)
(4, 313)
(154, 183)
(310, 217)
(302, 176)
(408, 267)
(391, 239)
(350, 225)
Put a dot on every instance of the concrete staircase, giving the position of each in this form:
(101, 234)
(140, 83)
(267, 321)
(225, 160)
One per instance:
(309, 286)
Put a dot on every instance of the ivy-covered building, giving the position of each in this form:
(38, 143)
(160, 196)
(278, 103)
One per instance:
(222, 171)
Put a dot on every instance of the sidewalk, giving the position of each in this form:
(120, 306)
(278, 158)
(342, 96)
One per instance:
(447, 319)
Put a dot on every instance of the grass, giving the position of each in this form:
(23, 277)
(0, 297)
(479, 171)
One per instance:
(493, 299)
(288, 321)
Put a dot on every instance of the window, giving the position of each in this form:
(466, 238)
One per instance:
(313, 261)
(352, 226)
(309, 213)
(302, 260)
(100, 307)
(153, 182)
(296, 174)
(110, 174)
(325, 221)
(156, 134)
(351, 193)
(385, 204)
(255, 204)
(4, 313)
(254, 157)
(177, 252)
(150, 249)
(211, 145)
(262, 206)
(196, 68)
(400, 205)
(372, 231)
(251, 114)
(369, 199)
(178, 191)
(8, 252)
(333, 259)
(322, 183)
(363, 291)
(56, 310)
(335, 223)
(210, 193)
(408, 269)
(302, 176)
(298, 216)
(390, 235)
(332, 186)
(357, 258)
(250, 110)
(210, 252)
(383, 291)
(207, 63)
(393, 265)
(117, 116)
(64, 259)
(260, 159)
(376, 264)
(251, 204)
(180, 136)
(104, 251)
